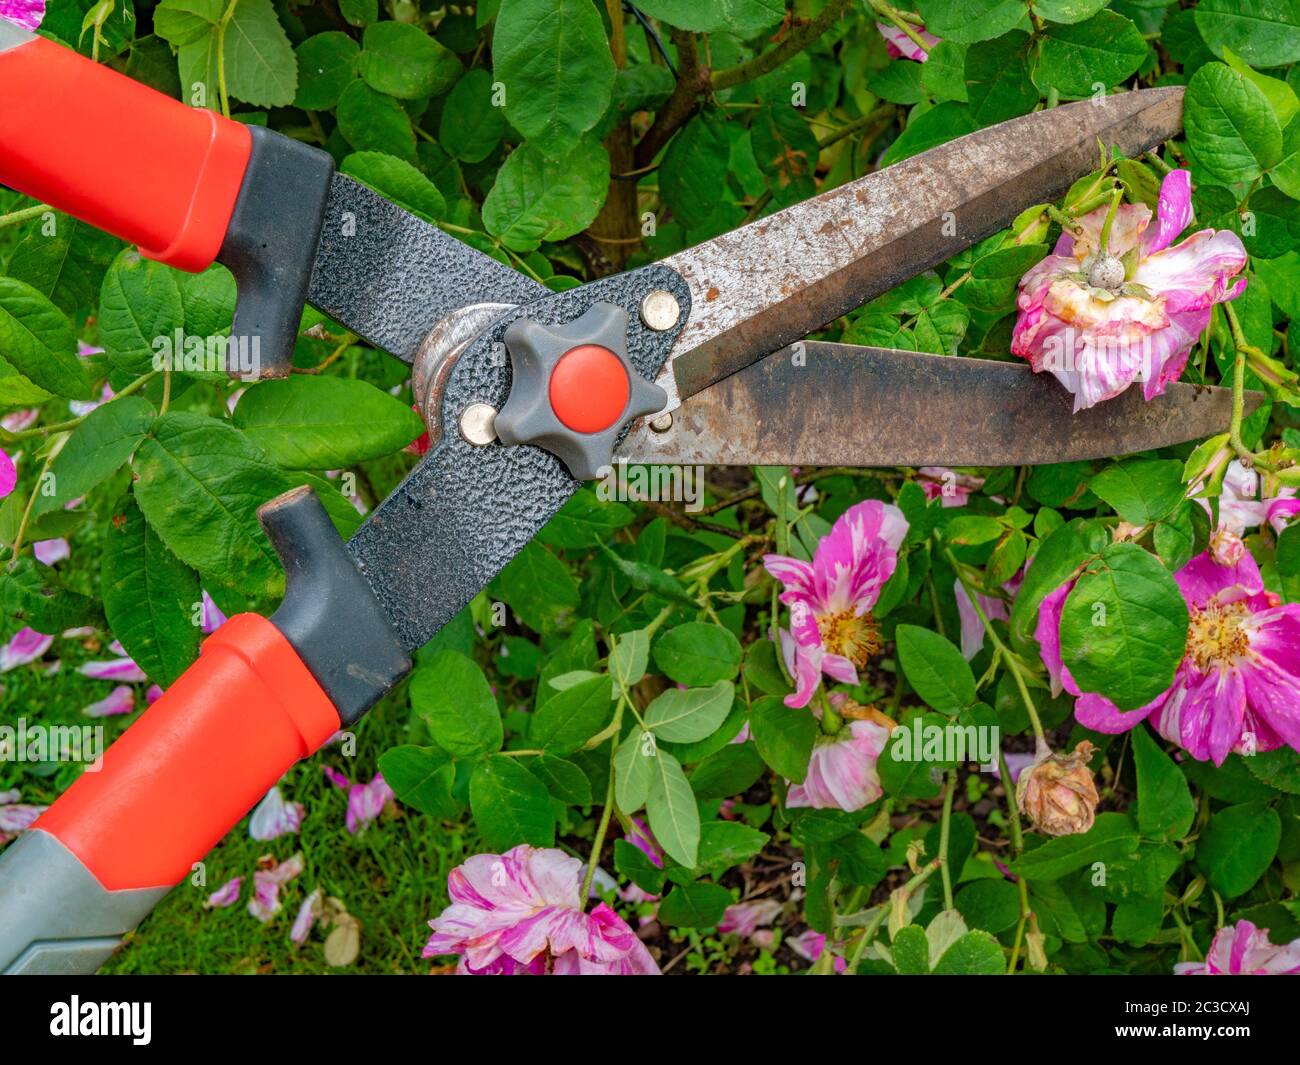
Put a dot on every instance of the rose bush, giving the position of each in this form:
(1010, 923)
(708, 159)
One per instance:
(852, 721)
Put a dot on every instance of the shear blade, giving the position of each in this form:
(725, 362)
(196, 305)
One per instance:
(842, 405)
(767, 284)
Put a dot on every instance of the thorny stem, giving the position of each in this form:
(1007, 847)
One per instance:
(598, 844)
(1241, 348)
(27, 510)
(72, 423)
(944, 829)
(1017, 844)
(1012, 665)
(797, 40)
(221, 56)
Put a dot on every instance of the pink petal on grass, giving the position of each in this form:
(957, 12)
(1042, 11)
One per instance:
(112, 669)
(26, 646)
(121, 700)
(273, 817)
(226, 895)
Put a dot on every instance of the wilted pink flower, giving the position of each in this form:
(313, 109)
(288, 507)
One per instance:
(1244, 950)
(521, 913)
(939, 482)
(48, 552)
(273, 817)
(226, 895)
(8, 474)
(14, 817)
(112, 669)
(307, 913)
(265, 902)
(121, 700)
(811, 946)
(745, 918)
(831, 598)
(365, 801)
(900, 44)
(1098, 320)
(210, 616)
(1238, 686)
(842, 771)
(26, 646)
(26, 13)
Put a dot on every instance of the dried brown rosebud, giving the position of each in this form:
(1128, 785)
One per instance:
(1058, 794)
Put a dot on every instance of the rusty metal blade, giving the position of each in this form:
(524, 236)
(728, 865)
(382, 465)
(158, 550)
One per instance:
(767, 284)
(857, 406)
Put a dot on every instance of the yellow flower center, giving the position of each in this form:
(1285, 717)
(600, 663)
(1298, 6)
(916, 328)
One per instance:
(855, 638)
(1216, 637)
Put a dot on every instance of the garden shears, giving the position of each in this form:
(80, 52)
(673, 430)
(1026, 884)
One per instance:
(525, 391)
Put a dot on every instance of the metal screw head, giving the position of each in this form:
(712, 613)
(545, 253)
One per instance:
(660, 310)
(478, 423)
(661, 423)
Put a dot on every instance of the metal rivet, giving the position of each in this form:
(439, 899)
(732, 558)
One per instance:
(478, 423)
(661, 423)
(660, 310)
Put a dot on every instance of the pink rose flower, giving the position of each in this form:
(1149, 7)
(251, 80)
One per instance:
(1098, 320)
(1238, 686)
(830, 599)
(972, 628)
(899, 44)
(811, 946)
(8, 474)
(520, 913)
(842, 771)
(939, 482)
(1244, 950)
(1241, 506)
(26, 13)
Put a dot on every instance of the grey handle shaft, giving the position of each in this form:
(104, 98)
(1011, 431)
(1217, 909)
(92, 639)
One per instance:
(55, 917)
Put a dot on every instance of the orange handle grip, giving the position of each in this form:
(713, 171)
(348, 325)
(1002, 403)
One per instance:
(196, 761)
(118, 154)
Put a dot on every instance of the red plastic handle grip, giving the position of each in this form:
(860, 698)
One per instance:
(118, 154)
(196, 761)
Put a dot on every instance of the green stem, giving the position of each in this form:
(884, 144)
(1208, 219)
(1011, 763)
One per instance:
(27, 510)
(831, 720)
(892, 14)
(15, 218)
(944, 830)
(1115, 197)
(223, 95)
(1241, 347)
(72, 423)
(598, 843)
(797, 40)
(1017, 844)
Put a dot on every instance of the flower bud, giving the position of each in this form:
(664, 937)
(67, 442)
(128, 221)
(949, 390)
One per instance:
(1227, 547)
(1058, 793)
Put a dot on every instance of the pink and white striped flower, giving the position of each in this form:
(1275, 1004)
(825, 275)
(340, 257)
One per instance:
(1238, 686)
(830, 599)
(520, 913)
(8, 474)
(1099, 319)
(995, 609)
(25, 13)
(1244, 950)
(842, 771)
(947, 485)
(899, 44)
(1241, 506)
(745, 918)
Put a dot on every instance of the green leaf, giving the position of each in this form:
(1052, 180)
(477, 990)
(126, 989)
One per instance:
(261, 68)
(993, 905)
(554, 60)
(371, 121)
(139, 302)
(1143, 490)
(199, 483)
(472, 124)
(65, 260)
(572, 717)
(784, 736)
(694, 906)
(36, 339)
(1124, 627)
(420, 777)
(585, 521)
(1111, 838)
(510, 805)
(536, 198)
(1165, 806)
(685, 716)
(743, 18)
(1281, 97)
(1286, 172)
(537, 586)
(729, 771)
(974, 954)
(1066, 10)
(935, 669)
(455, 700)
(359, 12)
(997, 79)
(306, 422)
(1136, 921)
(149, 596)
(399, 59)
(97, 449)
(566, 781)
(628, 660)
(1104, 50)
(724, 844)
(672, 811)
(1265, 33)
(327, 64)
(32, 594)
(695, 168)
(630, 861)
(968, 21)
(1231, 130)
(1237, 846)
(698, 653)
(1057, 558)
(939, 125)
(994, 277)
(633, 770)
(1279, 769)
(397, 180)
